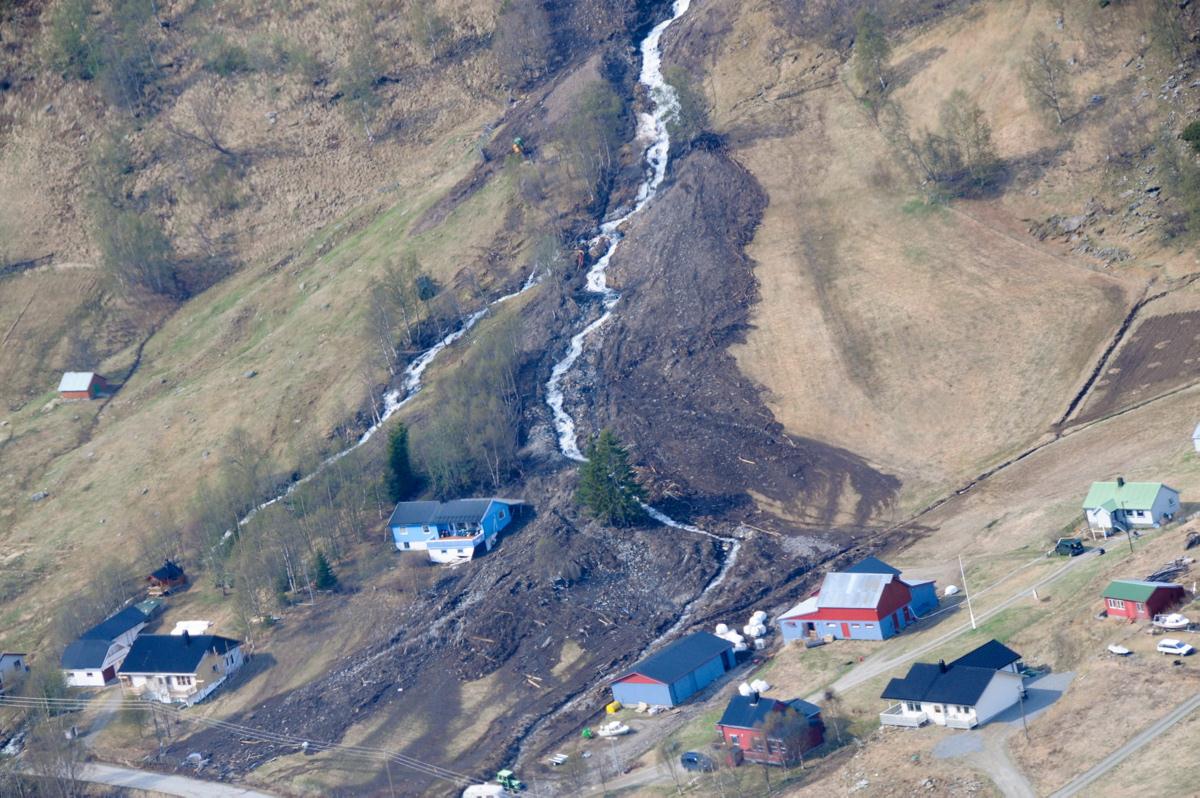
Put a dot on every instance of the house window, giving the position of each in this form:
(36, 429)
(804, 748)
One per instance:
(912, 706)
(407, 545)
(1140, 606)
(868, 625)
(733, 739)
(964, 710)
(90, 674)
(183, 681)
(937, 709)
(757, 744)
(1116, 604)
(500, 514)
(854, 625)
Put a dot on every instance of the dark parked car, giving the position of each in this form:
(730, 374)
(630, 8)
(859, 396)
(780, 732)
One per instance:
(697, 763)
(1069, 547)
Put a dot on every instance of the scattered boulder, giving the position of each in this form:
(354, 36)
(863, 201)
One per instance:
(37, 497)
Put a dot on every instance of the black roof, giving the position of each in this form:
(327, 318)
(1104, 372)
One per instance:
(960, 684)
(84, 654)
(992, 654)
(681, 657)
(173, 653)
(168, 572)
(871, 565)
(747, 712)
(114, 626)
(459, 511)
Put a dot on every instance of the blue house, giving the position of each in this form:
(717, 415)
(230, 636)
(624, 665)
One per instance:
(677, 672)
(450, 531)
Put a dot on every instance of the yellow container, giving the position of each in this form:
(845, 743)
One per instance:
(613, 708)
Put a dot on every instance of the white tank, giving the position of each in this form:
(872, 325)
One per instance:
(950, 590)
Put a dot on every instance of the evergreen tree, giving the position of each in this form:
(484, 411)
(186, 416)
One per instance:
(401, 481)
(608, 488)
(323, 576)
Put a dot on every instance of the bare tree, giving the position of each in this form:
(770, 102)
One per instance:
(523, 42)
(1046, 78)
(208, 124)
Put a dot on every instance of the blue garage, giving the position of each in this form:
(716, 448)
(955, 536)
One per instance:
(677, 672)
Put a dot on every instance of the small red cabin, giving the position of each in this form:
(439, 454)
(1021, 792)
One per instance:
(747, 727)
(1141, 601)
(82, 385)
(165, 579)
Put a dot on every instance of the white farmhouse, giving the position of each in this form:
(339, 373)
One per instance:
(958, 695)
(1120, 506)
(179, 668)
(93, 659)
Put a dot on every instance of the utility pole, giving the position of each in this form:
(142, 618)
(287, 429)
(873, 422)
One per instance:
(966, 592)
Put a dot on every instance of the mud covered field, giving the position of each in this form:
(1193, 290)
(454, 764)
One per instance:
(1162, 354)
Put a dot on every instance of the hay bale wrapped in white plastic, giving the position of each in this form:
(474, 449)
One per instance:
(745, 689)
(950, 590)
(758, 617)
(759, 644)
(760, 686)
(722, 629)
(740, 647)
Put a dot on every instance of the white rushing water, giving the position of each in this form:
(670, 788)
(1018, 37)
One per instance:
(393, 400)
(651, 130)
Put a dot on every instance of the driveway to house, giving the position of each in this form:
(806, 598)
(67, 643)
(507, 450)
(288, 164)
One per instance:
(987, 747)
(180, 786)
(1109, 762)
(879, 665)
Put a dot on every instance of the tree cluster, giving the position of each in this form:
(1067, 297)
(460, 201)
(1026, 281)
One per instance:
(592, 136)
(523, 43)
(960, 157)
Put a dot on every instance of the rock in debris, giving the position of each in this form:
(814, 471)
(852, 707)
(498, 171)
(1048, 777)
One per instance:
(250, 374)
(37, 497)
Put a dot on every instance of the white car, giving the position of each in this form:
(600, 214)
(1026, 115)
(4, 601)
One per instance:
(1170, 645)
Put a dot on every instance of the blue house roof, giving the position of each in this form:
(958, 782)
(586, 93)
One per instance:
(85, 654)
(871, 565)
(173, 653)
(681, 657)
(113, 627)
(751, 712)
(459, 511)
(992, 654)
(949, 684)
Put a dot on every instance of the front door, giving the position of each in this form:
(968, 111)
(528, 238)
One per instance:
(896, 622)
(846, 630)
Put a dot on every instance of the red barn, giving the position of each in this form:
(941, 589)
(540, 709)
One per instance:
(769, 731)
(165, 579)
(1141, 601)
(81, 385)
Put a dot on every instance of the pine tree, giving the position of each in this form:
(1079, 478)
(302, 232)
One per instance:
(608, 488)
(401, 481)
(323, 576)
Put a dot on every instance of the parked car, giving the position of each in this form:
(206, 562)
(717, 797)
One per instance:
(1169, 645)
(1069, 547)
(697, 763)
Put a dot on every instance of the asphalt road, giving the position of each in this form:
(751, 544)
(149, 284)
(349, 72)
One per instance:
(181, 786)
(1121, 754)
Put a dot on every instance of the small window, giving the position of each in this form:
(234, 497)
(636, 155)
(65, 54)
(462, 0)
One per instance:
(407, 545)
(1116, 604)
(868, 625)
(214, 667)
(90, 674)
(854, 625)
(733, 739)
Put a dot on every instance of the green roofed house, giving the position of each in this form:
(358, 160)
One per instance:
(1119, 506)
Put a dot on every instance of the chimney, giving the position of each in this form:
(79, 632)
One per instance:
(187, 638)
(1120, 482)
(942, 665)
(754, 698)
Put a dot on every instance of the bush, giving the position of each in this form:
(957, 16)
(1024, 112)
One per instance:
(72, 39)
(1191, 134)
(401, 481)
(323, 576)
(224, 57)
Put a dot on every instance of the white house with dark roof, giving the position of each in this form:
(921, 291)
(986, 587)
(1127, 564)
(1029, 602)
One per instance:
(93, 659)
(450, 531)
(179, 668)
(968, 692)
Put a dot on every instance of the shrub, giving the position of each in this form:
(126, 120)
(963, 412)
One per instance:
(72, 39)
(1191, 134)
(224, 57)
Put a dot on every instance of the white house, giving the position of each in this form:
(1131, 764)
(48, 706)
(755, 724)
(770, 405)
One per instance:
(181, 668)
(957, 695)
(93, 659)
(1119, 506)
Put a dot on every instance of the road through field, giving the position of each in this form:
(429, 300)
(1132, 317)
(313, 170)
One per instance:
(180, 786)
(1109, 762)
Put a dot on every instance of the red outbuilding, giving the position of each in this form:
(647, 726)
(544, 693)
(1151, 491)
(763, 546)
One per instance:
(82, 385)
(1141, 601)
